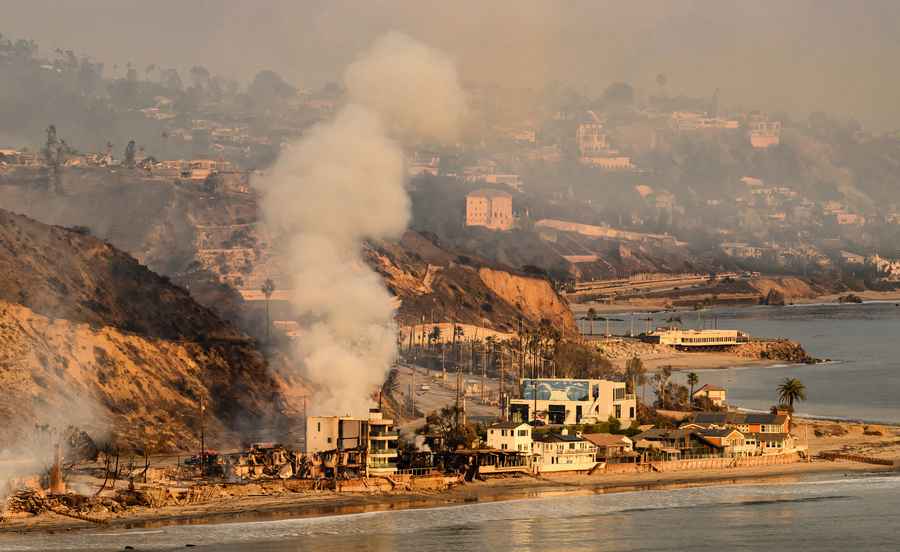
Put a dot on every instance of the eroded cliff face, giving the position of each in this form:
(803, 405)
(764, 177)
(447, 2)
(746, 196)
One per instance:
(134, 389)
(789, 287)
(90, 337)
(435, 285)
(535, 297)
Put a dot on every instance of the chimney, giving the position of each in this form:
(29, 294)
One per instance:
(57, 485)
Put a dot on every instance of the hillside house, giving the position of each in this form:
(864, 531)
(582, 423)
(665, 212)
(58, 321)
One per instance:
(489, 208)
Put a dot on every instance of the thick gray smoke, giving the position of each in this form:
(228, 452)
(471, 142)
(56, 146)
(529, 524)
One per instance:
(341, 184)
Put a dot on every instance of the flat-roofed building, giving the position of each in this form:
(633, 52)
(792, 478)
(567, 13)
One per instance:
(698, 339)
(362, 446)
(489, 208)
(573, 401)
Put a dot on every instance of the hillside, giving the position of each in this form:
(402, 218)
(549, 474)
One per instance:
(433, 283)
(90, 336)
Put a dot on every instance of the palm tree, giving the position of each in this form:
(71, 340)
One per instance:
(692, 379)
(790, 390)
(390, 386)
(268, 288)
(435, 335)
(591, 316)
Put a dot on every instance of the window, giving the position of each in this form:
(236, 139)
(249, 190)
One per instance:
(318, 427)
(503, 446)
(618, 393)
(618, 413)
(523, 433)
(631, 412)
(572, 446)
(329, 440)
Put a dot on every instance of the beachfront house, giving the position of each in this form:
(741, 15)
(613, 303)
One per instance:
(745, 422)
(764, 433)
(611, 447)
(512, 436)
(358, 446)
(673, 444)
(573, 401)
(728, 442)
(557, 452)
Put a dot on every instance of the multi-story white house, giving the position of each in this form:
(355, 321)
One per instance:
(573, 401)
(562, 451)
(510, 436)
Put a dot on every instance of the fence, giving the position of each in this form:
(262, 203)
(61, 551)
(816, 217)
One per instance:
(858, 458)
(725, 463)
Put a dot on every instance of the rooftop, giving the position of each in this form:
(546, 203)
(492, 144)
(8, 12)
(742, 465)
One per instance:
(606, 439)
(489, 193)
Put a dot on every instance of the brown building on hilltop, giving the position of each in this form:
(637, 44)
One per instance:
(489, 208)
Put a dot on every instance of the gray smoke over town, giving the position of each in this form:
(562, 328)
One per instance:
(341, 184)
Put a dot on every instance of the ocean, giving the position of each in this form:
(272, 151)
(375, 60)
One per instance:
(860, 382)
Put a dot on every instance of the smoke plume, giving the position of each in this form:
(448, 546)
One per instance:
(341, 184)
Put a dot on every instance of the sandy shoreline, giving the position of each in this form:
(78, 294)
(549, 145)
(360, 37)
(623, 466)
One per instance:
(324, 503)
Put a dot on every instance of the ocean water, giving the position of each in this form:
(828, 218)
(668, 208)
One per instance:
(824, 513)
(862, 381)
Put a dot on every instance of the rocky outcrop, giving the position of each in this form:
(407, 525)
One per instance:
(782, 349)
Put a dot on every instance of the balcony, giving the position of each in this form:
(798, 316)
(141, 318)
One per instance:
(384, 435)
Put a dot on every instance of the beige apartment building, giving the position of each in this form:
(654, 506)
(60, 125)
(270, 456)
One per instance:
(489, 208)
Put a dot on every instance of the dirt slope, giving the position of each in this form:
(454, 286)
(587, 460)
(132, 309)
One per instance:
(432, 282)
(88, 335)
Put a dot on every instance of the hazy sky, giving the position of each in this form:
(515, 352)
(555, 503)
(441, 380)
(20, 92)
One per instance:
(797, 55)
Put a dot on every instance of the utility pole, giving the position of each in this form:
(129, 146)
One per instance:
(458, 375)
(500, 398)
(533, 394)
(202, 439)
(483, 372)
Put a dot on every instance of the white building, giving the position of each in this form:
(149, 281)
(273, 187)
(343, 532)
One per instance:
(511, 436)
(573, 401)
(695, 339)
(367, 445)
(555, 452)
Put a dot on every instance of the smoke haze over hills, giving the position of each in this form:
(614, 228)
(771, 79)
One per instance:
(799, 56)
